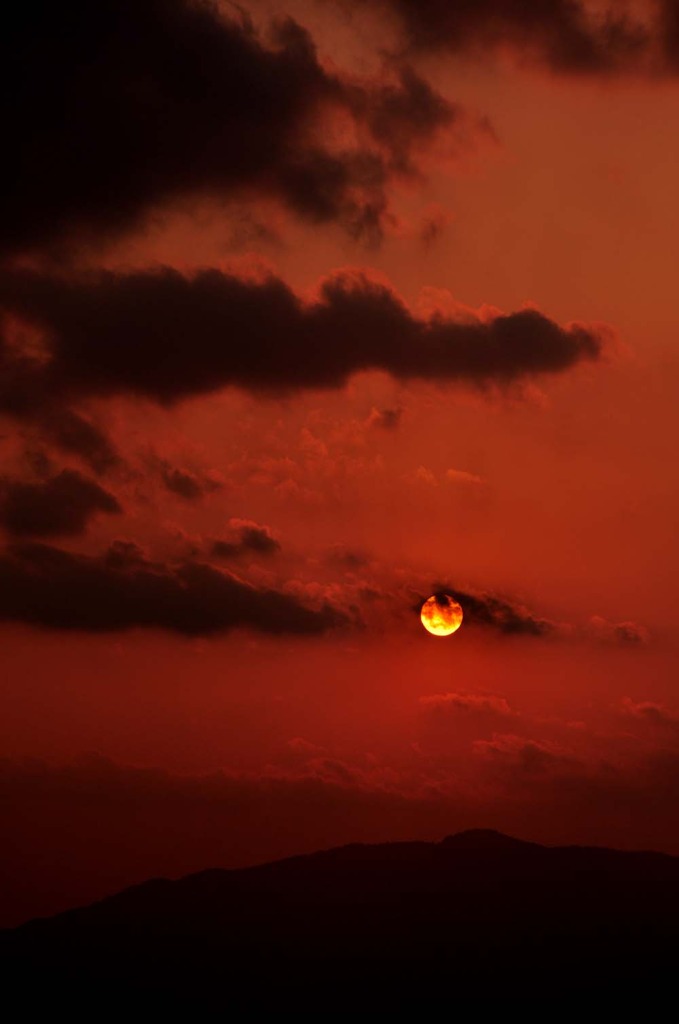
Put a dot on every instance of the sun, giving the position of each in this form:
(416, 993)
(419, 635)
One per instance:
(441, 614)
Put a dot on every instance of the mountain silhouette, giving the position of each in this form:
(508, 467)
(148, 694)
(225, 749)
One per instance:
(479, 919)
(481, 839)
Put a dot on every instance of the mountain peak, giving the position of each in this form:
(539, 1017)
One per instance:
(480, 839)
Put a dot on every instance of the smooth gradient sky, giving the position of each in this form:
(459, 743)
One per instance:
(303, 320)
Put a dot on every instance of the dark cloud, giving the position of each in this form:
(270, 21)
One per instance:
(185, 484)
(669, 31)
(497, 612)
(124, 554)
(60, 506)
(569, 36)
(403, 115)
(113, 109)
(45, 586)
(510, 617)
(73, 433)
(249, 539)
(167, 337)
(38, 462)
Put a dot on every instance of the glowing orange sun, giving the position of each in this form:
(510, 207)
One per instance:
(441, 614)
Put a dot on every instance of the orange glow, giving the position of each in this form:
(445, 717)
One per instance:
(441, 614)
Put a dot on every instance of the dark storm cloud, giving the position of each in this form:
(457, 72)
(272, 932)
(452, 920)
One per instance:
(45, 586)
(163, 336)
(112, 109)
(250, 539)
(569, 36)
(60, 506)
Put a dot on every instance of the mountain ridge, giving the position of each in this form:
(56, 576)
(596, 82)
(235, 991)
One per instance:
(479, 842)
(481, 911)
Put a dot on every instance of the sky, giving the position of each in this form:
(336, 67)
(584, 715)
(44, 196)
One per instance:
(309, 310)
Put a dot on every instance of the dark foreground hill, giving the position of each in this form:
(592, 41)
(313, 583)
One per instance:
(433, 929)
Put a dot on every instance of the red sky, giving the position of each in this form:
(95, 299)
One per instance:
(289, 345)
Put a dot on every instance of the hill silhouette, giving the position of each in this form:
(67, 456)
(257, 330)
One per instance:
(479, 919)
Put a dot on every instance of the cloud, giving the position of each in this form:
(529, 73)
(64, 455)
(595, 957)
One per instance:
(123, 108)
(567, 36)
(651, 712)
(185, 484)
(45, 586)
(68, 849)
(75, 434)
(468, 704)
(385, 419)
(299, 746)
(166, 337)
(434, 223)
(449, 721)
(60, 506)
(631, 633)
(349, 559)
(521, 755)
(499, 613)
(250, 539)
(461, 476)
(425, 476)
(69, 823)
(506, 615)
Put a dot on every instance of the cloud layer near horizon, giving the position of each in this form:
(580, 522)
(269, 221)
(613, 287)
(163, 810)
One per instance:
(120, 824)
